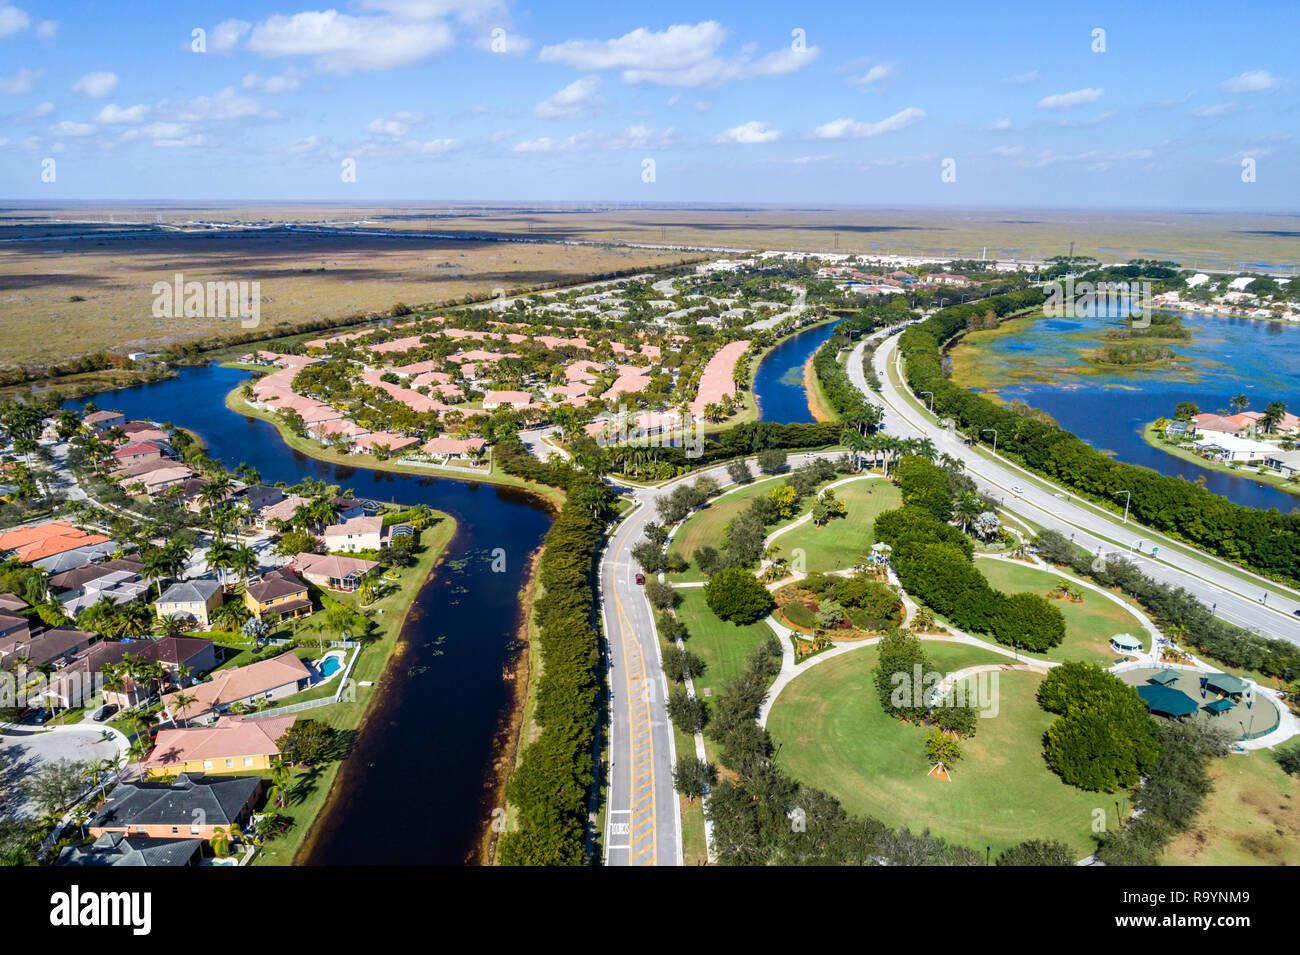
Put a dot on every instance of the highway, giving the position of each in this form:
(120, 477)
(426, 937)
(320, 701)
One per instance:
(1238, 601)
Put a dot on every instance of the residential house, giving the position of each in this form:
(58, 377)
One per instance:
(231, 743)
(277, 595)
(193, 806)
(138, 452)
(33, 544)
(513, 399)
(75, 580)
(119, 586)
(100, 421)
(47, 648)
(256, 683)
(190, 655)
(357, 533)
(1285, 463)
(156, 481)
(333, 571)
(12, 625)
(116, 848)
(80, 680)
(195, 600)
(457, 449)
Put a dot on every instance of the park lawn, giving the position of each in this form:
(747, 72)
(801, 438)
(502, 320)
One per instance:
(706, 525)
(1089, 625)
(723, 646)
(832, 734)
(838, 545)
(1251, 818)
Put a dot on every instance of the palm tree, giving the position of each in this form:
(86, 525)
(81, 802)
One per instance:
(243, 561)
(1239, 403)
(156, 565)
(169, 625)
(97, 767)
(181, 702)
(281, 773)
(220, 555)
(968, 507)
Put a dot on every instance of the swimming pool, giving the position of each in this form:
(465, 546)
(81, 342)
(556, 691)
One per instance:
(330, 664)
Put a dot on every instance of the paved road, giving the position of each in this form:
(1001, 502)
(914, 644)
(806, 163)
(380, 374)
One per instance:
(642, 822)
(1233, 599)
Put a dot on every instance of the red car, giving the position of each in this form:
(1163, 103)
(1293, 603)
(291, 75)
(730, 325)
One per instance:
(640, 578)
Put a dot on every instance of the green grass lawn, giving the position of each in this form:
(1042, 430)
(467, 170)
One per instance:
(838, 544)
(1089, 624)
(832, 734)
(724, 646)
(706, 526)
(1251, 818)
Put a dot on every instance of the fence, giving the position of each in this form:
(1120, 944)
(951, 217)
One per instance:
(344, 685)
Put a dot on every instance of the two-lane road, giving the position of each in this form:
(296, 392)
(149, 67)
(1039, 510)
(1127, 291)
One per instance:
(1216, 584)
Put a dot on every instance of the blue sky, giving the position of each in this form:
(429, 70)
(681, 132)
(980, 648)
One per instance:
(857, 104)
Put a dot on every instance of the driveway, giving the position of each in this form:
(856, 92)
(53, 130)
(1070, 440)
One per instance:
(27, 750)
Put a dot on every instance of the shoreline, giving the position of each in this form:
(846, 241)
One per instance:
(1151, 438)
(380, 692)
(508, 741)
(812, 389)
(552, 497)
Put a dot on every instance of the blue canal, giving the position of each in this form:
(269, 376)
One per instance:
(417, 787)
(778, 385)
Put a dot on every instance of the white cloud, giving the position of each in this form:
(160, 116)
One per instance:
(1216, 109)
(681, 55)
(12, 20)
(69, 128)
(703, 106)
(877, 74)
(846, 128)
(40, 109)
(580, 100)
(1253, 81)
(998, 125)
(1008, 150)
(113, 115)
(1071, 99)
(225, 104)
(578, 142)
(47, 28)
(287, 82)
(644, 137)
(24, 81)
(225, 36)
(343, 43)
(96, 85)
(305, 145)
(397, 125)
(754, 131)
(678, 47)
(1022, 79)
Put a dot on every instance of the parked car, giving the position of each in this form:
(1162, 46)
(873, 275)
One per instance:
(640, 578)
(104, 712)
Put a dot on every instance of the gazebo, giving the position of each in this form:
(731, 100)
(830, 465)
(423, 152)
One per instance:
(1166, 701)
(1126, 643)
(1219, 707)
(1164, 678)
(1224, 683)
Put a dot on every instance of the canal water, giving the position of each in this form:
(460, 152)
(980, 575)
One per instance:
(418, 780)
(778, 384)
(1225, 356)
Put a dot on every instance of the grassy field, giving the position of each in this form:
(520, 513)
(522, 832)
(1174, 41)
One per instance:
(312, 786)
(1251, 818)
(303, 277)
(706, 526)
(1089, 624)
(724, 646)
(838, 544)
(832, 734)
(1191, 238)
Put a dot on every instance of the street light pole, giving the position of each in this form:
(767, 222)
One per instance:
(995, 437)
(1127, 501)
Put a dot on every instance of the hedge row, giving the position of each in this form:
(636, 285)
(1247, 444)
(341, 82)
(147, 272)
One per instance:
(550, 788)
(1265, 541)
